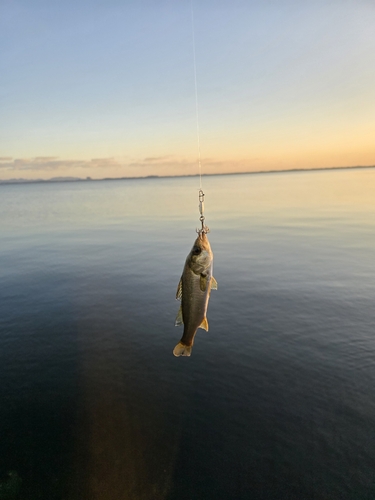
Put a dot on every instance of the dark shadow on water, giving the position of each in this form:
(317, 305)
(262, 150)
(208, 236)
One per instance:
(38, 409)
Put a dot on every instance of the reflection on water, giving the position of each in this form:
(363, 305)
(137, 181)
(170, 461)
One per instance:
(277, 398)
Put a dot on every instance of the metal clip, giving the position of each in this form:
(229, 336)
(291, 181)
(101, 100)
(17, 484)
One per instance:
(201, 202)
(204, 228)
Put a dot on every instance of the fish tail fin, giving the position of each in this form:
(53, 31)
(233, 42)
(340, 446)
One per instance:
(182, 349)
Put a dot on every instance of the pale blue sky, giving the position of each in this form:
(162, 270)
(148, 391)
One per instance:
(281, 84)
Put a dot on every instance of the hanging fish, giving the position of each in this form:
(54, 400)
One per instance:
(194, 291)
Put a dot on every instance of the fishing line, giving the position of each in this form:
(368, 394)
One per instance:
(196, 95)
(201, 193)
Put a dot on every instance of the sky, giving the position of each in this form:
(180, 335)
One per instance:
(106, 88)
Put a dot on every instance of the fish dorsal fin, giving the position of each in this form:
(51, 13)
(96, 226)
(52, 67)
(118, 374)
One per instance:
(203, 282)
(179, 290)
(204, 324)
(213, 283)
(179, 319)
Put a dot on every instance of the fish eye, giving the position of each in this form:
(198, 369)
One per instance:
(196, 250)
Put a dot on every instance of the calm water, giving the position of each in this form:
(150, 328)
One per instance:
(277, 400)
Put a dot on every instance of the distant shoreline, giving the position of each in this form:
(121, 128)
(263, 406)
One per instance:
(89, 179)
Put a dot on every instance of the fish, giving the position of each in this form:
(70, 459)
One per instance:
(194, 291)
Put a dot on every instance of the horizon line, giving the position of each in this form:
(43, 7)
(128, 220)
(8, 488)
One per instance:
(257, 172)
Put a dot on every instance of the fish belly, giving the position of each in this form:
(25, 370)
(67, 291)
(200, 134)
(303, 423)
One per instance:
(194, 306)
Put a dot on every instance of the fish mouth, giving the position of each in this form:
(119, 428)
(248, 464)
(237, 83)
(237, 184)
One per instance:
(202, 232)
(202, 239)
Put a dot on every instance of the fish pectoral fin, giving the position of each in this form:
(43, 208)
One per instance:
(179, 319)
(179, 290)
(203, 282)
(204, 324)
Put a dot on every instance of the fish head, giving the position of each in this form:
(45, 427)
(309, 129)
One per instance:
(200, 257)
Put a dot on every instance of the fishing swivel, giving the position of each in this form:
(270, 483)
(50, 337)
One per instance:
(204, 228)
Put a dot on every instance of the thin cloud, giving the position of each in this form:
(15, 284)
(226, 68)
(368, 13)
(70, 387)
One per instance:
(153, 159)
(209, 165)
(161, 165)
(102, 159)
(21, 161)
(6, 158)
(103, 162)
(52, 163)
(36, 164)
(45, 158)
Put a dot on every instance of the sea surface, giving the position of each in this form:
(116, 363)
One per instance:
(277, 400)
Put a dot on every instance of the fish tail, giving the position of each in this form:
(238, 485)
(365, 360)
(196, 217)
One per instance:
(182, 349)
